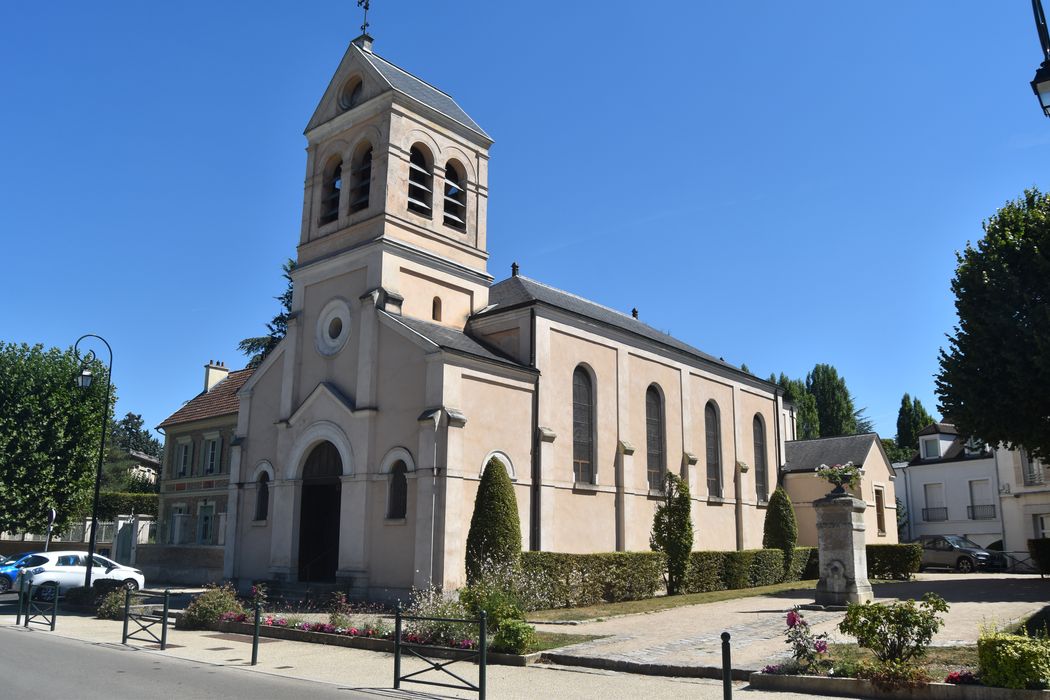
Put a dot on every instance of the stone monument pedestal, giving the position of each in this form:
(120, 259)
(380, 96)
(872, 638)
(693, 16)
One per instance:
(840, 542)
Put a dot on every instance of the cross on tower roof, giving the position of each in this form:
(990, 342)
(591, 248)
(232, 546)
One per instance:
(364, 4)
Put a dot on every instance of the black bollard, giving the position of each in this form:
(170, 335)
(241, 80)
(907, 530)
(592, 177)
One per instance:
(727, 669)
(255, 634)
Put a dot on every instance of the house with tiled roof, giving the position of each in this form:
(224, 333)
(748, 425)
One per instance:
(877, 486)
(194, 482)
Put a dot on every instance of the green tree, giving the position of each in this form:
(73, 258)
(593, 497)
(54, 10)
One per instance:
(995, 374)
(259, 347)
(835, 409)
(895, 453)
(911, 418)
(780, 529)
(49, 435)
(902, 521)
(807, 422)
(672, 531)
(495, 529)
(128, 435)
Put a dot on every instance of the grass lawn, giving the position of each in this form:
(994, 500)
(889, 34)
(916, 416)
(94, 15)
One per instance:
(553, 640)
(662, 603)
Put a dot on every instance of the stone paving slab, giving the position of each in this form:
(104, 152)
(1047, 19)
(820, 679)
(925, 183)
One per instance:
(691, 635)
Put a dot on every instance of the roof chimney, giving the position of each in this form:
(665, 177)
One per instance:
(214, 372)
(514, 269)
(364, 42)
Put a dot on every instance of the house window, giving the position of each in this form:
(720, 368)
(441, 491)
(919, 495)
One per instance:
(212, 454)
(1042, 525)
(713, 435)
(654, 438)
(1033, 470)
(262, 497)
(361, 178)
(397, 498)
(582, 427)
(206, 523)
(333, 185)
(931, 449)
(435, 309)
(935, 510)
(183, 455)
(981, 506)
(420, 182)
(455, 196)
(761, 471)
(880, 510)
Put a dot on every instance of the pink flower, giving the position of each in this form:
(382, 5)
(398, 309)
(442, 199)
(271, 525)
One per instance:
(354, 631)
(793, 619)
(821, 646)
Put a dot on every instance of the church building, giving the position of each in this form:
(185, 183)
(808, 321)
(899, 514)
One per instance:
(360, 440)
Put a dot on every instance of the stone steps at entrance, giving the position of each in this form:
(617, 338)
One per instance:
(307, 592)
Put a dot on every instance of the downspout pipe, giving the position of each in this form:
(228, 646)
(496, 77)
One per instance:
(534, 519)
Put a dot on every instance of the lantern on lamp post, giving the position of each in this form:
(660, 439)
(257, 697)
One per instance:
(84, 380)
(1041, 82)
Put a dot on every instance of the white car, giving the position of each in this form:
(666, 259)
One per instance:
(68, 570)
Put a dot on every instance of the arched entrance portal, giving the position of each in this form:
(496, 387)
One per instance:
(319, 514)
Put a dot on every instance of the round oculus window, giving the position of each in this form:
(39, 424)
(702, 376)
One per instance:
(350, 95)
(333, 327)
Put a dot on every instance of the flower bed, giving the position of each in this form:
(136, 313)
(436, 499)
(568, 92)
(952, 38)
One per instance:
(324, 633)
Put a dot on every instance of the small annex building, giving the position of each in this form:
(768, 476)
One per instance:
(876, 487)
(359, 442)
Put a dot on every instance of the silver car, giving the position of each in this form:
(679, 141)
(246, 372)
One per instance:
(957, 552)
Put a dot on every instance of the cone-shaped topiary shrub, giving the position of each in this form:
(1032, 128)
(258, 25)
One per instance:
(495, 530)
(780, 530)
(672, 531)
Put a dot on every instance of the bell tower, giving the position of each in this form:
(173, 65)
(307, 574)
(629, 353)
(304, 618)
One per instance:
(397, 181)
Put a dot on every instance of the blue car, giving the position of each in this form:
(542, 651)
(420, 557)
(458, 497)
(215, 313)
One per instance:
(9, 570)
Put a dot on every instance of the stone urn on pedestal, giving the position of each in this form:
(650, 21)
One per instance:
(840, 540)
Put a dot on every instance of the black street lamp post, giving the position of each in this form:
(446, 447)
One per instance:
(1041, 82)
(84, 381)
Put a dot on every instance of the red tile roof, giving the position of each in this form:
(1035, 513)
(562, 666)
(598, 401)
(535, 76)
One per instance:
(220, 401)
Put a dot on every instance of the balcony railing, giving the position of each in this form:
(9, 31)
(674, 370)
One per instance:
(986, 512)
(934, 515)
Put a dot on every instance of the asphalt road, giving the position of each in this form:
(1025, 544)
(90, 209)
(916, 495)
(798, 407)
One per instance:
(37, 664)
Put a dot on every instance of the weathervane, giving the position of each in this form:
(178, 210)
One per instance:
(364, 5)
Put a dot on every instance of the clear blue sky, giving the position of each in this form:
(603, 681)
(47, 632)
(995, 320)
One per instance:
(776, 183)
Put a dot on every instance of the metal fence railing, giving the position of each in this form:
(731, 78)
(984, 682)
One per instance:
(984, 512)
(37, 605)
(142, 620)
(419, 651)
(934, 515)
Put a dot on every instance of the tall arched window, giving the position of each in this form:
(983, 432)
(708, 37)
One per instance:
(420, 182)
(654, 438)
(582, 426)
(361, 179)
(397, 498)
(761, 470)
(262, 497)
(713, 435)
(333, 185)
(435, 309)
(455, 196)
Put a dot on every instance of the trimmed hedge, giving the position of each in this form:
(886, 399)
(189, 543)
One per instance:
(803, 564)
(718, 571)
(1040, 551)
(1014, 661)
(114, 503)
(893, 561)
(588, 579)
(495, 529)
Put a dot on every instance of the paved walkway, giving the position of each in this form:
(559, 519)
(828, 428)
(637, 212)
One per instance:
(691, 636)
(371, 673)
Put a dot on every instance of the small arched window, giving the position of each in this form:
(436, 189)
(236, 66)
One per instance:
(351, 94)
(262, 497)
(420, 182)
(713, 438)
(761, 470)
(397, 498)
(656, 463)
(333, 185)
(361, 179)
(582, 426)
(435, 309)
(455, 196)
